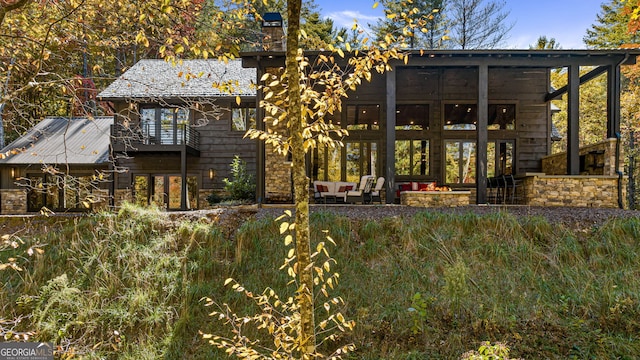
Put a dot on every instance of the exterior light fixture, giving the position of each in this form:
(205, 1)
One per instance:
(13, 172)
(212, 174)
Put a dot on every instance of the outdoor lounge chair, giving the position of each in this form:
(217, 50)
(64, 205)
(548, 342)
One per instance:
(375, 193)
(363, 193)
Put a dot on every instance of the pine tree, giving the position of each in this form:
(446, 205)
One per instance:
(611, 28)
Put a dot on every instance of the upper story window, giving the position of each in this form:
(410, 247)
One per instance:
(502, 117)
(243, 118)
(165, 125)
(460, 116)
(465, 116)
(412, 117)
(363, 117)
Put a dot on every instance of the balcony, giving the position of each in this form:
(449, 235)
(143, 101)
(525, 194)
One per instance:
(152, 138)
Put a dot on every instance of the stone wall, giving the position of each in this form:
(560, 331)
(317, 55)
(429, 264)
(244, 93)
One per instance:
(596, 159)
(581, 191)
(435, 198)
(14, 201)
(277, 177)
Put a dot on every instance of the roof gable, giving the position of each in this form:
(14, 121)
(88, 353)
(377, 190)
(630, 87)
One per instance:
(158, 79)
(60, 140)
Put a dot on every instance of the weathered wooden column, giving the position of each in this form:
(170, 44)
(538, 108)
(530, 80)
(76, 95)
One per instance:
(482, 133)
(613, 101)
(573, 121)
(390, 168)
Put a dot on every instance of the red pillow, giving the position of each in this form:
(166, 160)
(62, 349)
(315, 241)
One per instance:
(405, 187)
(349, 187)
(342, 189)
(322, 188)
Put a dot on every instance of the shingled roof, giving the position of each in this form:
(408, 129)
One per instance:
(158, 79)
(60, 140)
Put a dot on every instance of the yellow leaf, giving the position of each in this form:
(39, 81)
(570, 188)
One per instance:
(291, 252)
(238, 100)
(288, 240)
(226, 282)
(284, 227)
(375, 4)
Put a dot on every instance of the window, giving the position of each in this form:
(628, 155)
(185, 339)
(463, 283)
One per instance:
(361, 159)
(460, 116)
(164, 191)
(243, 118)
(412, 117)
(363, 117)
(500, 158)
(502, 117)
(460, 162)
(59, 193)
(465, 116)
(412, 157)
(165, 125)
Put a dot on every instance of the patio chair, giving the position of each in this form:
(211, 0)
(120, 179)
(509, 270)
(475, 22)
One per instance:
(375, 193)
(363, 193)
(511, 193)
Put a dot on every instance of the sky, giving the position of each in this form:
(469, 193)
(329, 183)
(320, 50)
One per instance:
(565, 20)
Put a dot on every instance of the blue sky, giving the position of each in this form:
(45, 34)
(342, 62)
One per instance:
(565, 20)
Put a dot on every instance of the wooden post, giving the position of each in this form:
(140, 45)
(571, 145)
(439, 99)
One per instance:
(613, 101)
(482, 133)
(573, 121)
(390, 172)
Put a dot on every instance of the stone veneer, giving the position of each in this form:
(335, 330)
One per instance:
(599, 159)
(565, 190)
(14, 201)
(435, 198)
(277, 177)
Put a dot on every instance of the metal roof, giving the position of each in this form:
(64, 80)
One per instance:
(159, 79)
(61, 140)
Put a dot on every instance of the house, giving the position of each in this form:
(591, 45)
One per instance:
(460, 118)
(177, 128)
(60, 164)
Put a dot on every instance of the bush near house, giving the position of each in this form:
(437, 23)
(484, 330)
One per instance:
(129, 285)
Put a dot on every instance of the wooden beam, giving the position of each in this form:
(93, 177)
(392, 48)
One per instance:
(260, 147)
(613, 102)
(390, 163)
(583, 79)
(573, 121)
(482, 132)
(183, 173)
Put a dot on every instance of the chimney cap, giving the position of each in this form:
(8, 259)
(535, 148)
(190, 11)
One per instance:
(272, 19)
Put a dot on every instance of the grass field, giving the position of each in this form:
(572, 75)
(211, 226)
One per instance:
(129, 285)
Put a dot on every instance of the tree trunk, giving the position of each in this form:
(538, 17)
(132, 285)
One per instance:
(300, 185)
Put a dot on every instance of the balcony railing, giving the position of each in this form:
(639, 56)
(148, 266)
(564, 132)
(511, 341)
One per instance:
(154, 137)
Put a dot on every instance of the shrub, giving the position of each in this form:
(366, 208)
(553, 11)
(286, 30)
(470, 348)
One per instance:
(242, 186)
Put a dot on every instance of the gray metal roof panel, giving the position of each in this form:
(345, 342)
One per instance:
(153, 79)
(60, 140)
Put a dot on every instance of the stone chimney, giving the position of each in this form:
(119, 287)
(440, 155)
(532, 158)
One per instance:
(273, 32)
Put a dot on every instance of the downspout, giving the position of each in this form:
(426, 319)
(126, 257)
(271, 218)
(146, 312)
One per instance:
(620, 174)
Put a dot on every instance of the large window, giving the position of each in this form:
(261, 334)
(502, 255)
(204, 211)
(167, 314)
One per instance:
(165, 125)
(348, 163)
(500, 158)
(460, 162)
(164, 191)
(363, 117)
(243, 118)
(465, 116)
(412, 157)
(60, 193)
